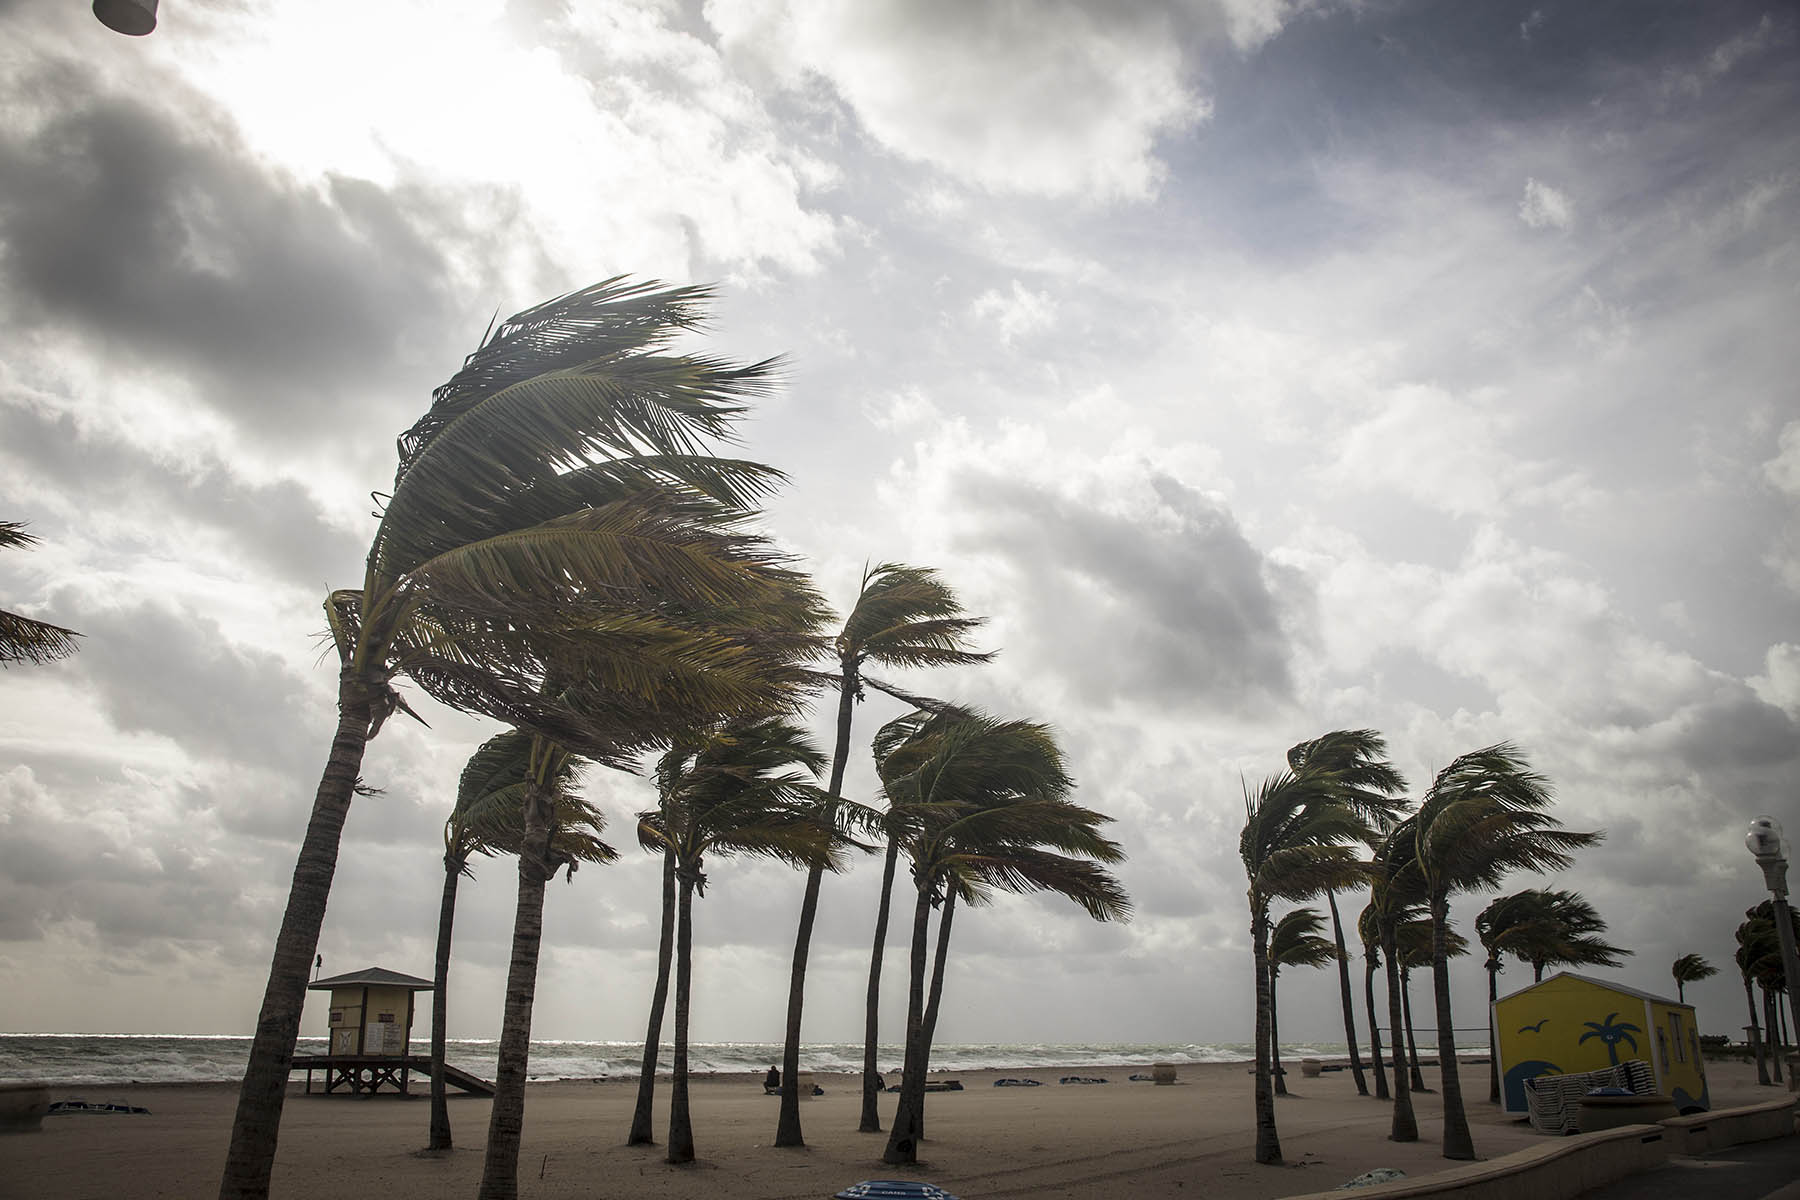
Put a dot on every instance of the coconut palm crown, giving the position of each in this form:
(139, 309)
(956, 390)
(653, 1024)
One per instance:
(1690, 968)
(21, 638)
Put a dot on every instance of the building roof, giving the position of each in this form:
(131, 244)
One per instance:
(372, 977)
(1608, 984)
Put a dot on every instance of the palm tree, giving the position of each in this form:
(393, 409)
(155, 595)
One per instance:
(1755, 944)
(1293, 942)
(1611, 1033)
(1690, 968)
(21, 638)
(488, 818)
(1297, 843)
(1369, 930)
(1413, 936)
(903, 617)
(1484, 815)
(698, 673)
(1570, 937)
(559, 465)
(740, 788)
(1544, 928)
(899, 747)
(988, 811)
(1369, 784)
(1393, 895)
(641, 1133)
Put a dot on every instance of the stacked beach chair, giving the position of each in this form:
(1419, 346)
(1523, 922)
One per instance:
(1554, 1100)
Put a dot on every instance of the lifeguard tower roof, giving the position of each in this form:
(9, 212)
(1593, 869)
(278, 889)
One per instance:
(373, 977)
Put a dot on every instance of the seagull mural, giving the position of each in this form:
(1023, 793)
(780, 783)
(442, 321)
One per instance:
(1538, 1028)
(1610, 1034)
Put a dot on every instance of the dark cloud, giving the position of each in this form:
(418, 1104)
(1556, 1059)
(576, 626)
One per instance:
(167, 243)
(1177, 610)
(276, 524)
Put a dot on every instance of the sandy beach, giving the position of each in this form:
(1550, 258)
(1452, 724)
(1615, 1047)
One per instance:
(1079, 1141)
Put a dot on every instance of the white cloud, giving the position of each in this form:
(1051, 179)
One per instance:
(1017, 312)
(1545, 207)
(1059, 99)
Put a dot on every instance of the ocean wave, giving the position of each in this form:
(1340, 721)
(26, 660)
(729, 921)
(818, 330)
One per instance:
(117, 1058)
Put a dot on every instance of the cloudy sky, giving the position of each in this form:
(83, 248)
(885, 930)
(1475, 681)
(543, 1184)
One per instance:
(1256, 367)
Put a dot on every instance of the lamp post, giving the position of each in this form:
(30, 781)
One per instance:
(1769, 847)
(134, 18)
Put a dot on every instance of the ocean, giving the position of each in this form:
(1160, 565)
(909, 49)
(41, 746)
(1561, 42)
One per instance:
(93, 1059)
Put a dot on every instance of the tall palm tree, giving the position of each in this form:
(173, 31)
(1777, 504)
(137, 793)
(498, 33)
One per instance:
(1484, 815)
(1570, 937)
(1368, 783)
(742, 787)
(903, 617)
(641, 1133)
(21, 638)
(1369, 930)
(1294, 941)
(990, 813)
(488, 818)
(1544, 928)
(1297, 843)
(1394, 893)
(1754, 945)
(539, 479)
(1690, 968)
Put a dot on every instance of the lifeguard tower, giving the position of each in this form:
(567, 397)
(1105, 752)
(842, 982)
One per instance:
(371, 1036)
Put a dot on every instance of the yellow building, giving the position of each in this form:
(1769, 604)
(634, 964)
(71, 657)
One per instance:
(1569, 1024)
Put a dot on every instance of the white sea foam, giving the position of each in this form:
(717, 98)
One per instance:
(103, 1058)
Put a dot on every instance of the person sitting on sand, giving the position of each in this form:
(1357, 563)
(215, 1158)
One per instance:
(772, 1081)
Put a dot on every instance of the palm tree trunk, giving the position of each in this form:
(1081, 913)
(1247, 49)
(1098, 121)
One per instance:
(440, 1017)
(871, 1111)
(506, 1120)
(1412, 1042)
(903, 1138)
(787, 1125)
(1772, 1023)
(1537, 972)
(1381, 1084)
(257, 1124)
(1459, 1142)
(928, 1031)
(681, 1128)
(1344, 993)
(1756, 1041)
(641, 1133)
(1268, 1140)
(1405, 1126)
(1493, 974)
(1281, 1088)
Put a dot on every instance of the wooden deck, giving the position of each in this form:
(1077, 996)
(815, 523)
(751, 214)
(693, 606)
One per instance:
(366, 1074)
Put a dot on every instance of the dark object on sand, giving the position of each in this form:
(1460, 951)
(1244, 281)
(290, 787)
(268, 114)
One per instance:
(893, 1189)
(1081, 1079)
(1009, 1082)
(23, 1103)
(82, 1106)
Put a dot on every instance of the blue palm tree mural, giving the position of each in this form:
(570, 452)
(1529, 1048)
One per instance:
(1611, 1035)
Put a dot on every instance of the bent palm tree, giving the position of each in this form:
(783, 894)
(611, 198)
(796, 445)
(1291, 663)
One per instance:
(742, 787)
(1296, 844)
(1484, 815)
(1394, 895)
(21, 638)
(1371, 786)
(1755, 944)
(1369, 930)
(1293, 942)
(1690, 968)
(903, 617)
(544, 475)
(987, 811)
(489, 818)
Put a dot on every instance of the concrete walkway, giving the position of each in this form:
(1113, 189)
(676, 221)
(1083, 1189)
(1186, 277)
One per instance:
(1754, 1171)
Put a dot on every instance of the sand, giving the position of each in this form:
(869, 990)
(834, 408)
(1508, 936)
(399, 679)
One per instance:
(1093, 1141)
